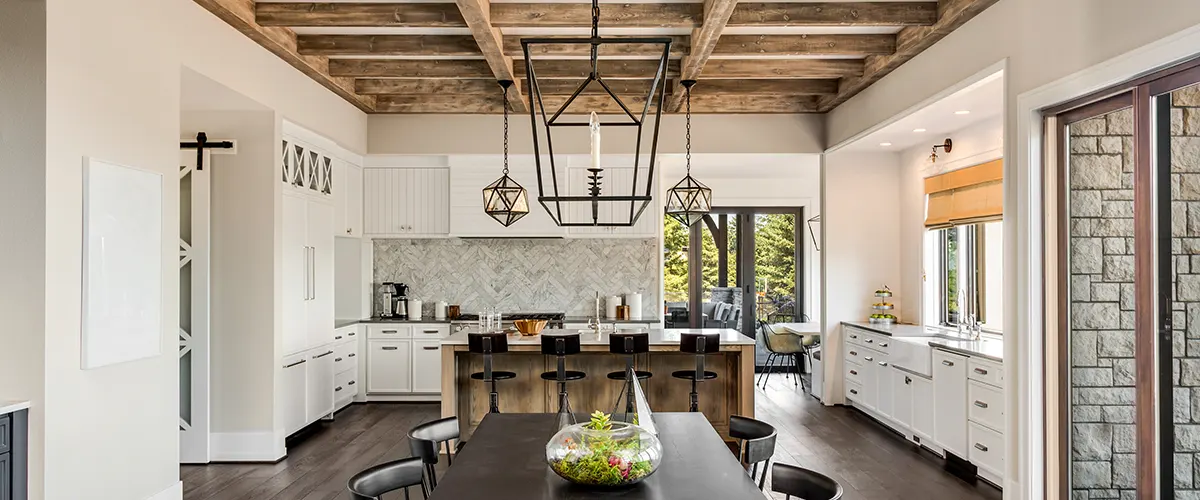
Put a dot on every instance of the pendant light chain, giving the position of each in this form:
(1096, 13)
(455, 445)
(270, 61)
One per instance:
(505, 103)
(688, 133)
(595, 18)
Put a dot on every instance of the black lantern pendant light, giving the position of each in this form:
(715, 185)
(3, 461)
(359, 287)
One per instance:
(596, 202)
(505, 200)
(690, 200)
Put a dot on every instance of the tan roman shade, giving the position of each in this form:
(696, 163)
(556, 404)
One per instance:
(965, 196)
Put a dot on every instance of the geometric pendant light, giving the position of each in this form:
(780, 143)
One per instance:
(690, 200)
(505, 200)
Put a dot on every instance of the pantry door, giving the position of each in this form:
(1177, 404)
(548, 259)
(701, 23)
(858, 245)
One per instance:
(194, 286)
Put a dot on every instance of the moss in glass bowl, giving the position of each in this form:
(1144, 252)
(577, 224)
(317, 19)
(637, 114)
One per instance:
(603, 453)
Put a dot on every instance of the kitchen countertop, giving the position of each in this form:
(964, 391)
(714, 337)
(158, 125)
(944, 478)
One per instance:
(985, 348)
(7, 406)
(585, 319)
(338, 323)
(897, 330)
(658, 336)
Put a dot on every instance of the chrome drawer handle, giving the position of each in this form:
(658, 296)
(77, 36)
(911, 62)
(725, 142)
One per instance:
(390, 348)
(981, 371)
(337, 337)
(352, 382)
(336, 360)
(389, 331)
(870, 341)
(980, 447)
(854, 336)
(854, 372)
(296, 363)
(322, 355)
(947, 363)
(981, 404)
(430, 347)
(429, 331)
(337, 389)
(883, 363)
(868, 358)
(351, 334)
(852, 391)
(352, 355)
(883, 344)
(854, 353)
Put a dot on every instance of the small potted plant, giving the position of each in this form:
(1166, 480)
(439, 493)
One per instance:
(604, 453)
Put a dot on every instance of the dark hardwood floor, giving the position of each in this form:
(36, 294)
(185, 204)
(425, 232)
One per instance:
(871, 462)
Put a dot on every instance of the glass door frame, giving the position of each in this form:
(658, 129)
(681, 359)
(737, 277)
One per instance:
(745, 268)
(1153, 271)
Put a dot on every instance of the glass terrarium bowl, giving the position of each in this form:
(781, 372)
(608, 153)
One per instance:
(624, 455)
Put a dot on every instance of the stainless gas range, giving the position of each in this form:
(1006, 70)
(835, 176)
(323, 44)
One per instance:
(468, 321)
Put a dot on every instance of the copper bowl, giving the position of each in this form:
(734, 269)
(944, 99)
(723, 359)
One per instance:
(530, 327)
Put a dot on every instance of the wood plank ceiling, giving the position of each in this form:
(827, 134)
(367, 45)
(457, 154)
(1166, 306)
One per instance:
(748, 57)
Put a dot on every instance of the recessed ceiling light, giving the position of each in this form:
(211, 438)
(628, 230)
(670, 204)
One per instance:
(918, 130)
(963, 112)
(885, 144)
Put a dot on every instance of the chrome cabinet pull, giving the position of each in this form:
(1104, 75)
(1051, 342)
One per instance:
(981, 404)
(868, 358)
(883, 344)
(429, 331)
(883, 363)
(352, 382)
(296, 363)
(870, 341)
(854, 372)
(337, 337)
(852, 391)
(430, 347)
(389, 331)
(947, 363)
(854, 353)
(337, 360)
(351, 334)
(337, 389)
(854, 336)
(980, 447)
(390, 348)
(907, 380)
(352, 355)
(322, 355)
(981, 371)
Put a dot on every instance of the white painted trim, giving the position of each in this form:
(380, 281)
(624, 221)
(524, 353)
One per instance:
(406, 161)
(326, 145)
(247, 447)
(976, 78)
(173, 492)
(1023, 198)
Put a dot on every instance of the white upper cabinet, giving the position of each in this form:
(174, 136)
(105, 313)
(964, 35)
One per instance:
(306, 168)
(348, 183)
(470, 174)
(406, 202)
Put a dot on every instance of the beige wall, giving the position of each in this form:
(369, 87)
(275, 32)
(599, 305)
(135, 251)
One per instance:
(113, 92)
(242, 269)
(23, 211)
(482, 134)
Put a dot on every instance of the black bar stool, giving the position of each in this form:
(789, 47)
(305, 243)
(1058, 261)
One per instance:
(488, 344)
(630, 344)
(756, 444)
(698, 344)
(561, 346)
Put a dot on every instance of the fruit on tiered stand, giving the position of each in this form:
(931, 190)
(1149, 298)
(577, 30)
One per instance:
(882, 316)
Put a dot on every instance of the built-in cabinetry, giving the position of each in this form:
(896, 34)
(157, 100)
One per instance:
(346, 366)
(407, 202)
(957, 410)
(14, 450)
(404, 359)
(470, 174)
(348, 208)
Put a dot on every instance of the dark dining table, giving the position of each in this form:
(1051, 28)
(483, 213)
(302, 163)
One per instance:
(506, 460)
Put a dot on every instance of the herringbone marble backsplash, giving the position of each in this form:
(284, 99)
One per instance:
(521, 275)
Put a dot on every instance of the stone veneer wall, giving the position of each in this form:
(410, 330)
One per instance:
(1185, 323)
(521, 275)
(1101, 307)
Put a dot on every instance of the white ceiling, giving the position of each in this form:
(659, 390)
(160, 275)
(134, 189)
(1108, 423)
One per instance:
(984, 100)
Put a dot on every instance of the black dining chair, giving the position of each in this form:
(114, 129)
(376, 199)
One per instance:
(426, 442)
(803, 483)
(372, 483)
(756, 445)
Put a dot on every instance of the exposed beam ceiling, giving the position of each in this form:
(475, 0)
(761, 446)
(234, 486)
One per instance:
(765, 57)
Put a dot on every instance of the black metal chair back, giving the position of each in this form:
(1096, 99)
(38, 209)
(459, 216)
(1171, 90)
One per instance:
(629, 343)
(699, 343)
(564, 344)
(487, 343)
(371, 484)
(803, 483)
(756, 445)
(426, 442)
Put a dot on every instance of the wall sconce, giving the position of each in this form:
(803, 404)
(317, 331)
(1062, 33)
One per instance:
(946, 147)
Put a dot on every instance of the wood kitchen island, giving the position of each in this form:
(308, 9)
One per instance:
(732, 393)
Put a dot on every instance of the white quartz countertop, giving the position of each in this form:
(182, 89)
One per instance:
(895, 330)
(8, 406)
(658, 336)
(984, 348)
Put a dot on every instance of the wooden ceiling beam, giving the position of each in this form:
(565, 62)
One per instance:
(282, 42)
(612, 15)
(512, 47)
(805, 45)
(393, 15)
(408, 68)
(782, 68)
(609, 69)
(567, 87)
(477, 13)
(389, 45)
(909, 42)
(704, 41)
(439, 86)
(765, 87)
(479, 104)
(835, 14)
(442, 103)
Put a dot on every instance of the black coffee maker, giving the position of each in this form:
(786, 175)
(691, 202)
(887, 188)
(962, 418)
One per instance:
(401, 301)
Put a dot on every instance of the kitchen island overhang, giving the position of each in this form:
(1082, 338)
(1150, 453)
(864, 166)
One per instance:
(731, 393)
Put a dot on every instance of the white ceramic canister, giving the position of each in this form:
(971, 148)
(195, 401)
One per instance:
(439, 310)
(414, 309)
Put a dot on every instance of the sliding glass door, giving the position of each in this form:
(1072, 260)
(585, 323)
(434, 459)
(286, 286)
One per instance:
(1127, 192)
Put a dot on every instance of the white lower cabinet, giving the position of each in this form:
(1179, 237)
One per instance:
(922, 409)
(319, 400)
(345, 388)
(901, 389)
(293, 383)
(389, 366)
(427, 366)
(884, 397)
(950, 402)
(987, 451)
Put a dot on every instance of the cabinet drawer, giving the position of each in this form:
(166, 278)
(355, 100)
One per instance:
(876, 341)
(987, 449)
(854, 354)
(986, 405)
(345, 385)
(345, 357)
(854, 335)
(854, 374)
(985, 371)
(345, 333)
(5, 433)
(384, 332)
(854, 392)
(389, 366)
(431, 331)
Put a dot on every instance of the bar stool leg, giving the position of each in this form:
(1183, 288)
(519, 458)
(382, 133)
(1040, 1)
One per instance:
(695, 399)
(493, 400)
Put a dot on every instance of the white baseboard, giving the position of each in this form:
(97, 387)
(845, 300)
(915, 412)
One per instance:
(247, 447)
(173, 492)
(404, 398)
